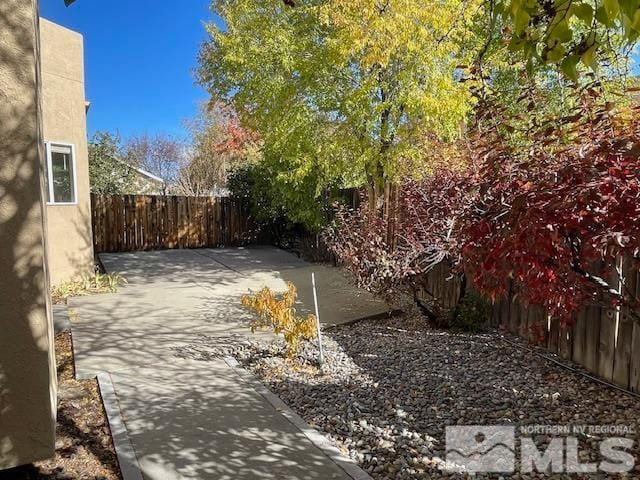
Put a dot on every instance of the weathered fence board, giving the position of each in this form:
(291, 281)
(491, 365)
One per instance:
(579, 337)
(606, 344)
(634, 363)
(149, 222)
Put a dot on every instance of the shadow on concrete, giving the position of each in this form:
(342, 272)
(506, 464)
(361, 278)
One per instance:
(340, 301)
(174, 296)
(181, 427)
(189, 418)
(142, 325)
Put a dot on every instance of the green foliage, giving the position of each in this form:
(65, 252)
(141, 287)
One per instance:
(472, 314)
(522, 110)
(107, 173)
(278, 312)
(251, 184)
(341, 92)
(272, 205)
(574, 35)
(87, 285)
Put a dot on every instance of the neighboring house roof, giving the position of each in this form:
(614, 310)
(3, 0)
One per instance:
(149, 175)
(142, 172)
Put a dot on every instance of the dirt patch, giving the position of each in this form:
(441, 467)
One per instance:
(84, 449)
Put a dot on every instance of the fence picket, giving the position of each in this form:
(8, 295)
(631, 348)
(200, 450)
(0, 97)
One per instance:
(593, 314)
(634, 368)
(606, 344)
(624, 335)
(579, 336)
(553, 335)
(565, 338)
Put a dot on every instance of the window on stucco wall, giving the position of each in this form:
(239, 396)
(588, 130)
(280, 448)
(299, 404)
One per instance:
(61, 173)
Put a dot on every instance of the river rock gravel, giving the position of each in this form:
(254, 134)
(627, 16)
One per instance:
(390, 387)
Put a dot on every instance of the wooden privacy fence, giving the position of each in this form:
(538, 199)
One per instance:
(604, 341)
(146, 222)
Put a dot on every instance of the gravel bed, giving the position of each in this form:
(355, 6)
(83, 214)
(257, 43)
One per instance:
(390, 387)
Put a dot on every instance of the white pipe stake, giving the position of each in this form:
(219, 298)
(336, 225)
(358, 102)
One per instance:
(315, 301)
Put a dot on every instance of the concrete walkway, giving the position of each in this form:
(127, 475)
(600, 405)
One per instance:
(188, 419)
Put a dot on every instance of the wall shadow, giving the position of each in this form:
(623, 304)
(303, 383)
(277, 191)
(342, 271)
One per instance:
(26, 418)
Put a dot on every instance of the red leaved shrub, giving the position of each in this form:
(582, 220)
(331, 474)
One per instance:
(556, 225)
(551, 223)
(390, 251)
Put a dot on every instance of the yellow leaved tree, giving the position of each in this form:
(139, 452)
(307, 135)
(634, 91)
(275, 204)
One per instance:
(343, 91)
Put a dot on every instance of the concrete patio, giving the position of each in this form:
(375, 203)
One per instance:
(188, 419)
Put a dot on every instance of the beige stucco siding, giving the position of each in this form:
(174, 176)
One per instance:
(64, 119)
(27, 368)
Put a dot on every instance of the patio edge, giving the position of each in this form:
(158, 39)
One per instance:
(127, 459)
(314, 436)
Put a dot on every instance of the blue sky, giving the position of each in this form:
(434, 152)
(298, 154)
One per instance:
(139, 60)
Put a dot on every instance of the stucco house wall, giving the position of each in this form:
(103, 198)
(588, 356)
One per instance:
(27, 366)
(64, 121)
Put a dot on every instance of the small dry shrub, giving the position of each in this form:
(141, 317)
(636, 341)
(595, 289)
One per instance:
(87, 285)
(278, 311)
(471, 315)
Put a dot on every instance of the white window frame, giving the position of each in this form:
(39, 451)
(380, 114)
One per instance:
(51, 198)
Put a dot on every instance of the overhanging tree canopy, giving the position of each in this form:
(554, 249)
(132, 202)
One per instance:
(341, 89)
